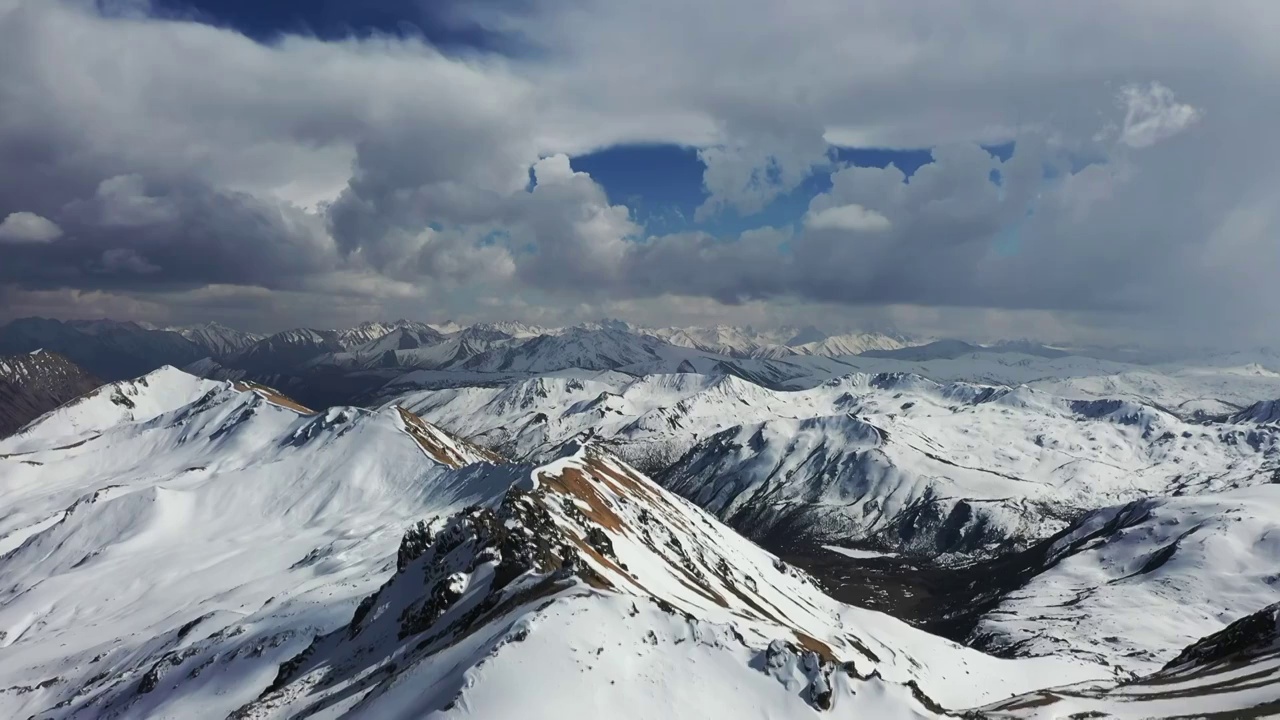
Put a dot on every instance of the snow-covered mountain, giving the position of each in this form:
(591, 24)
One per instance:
(217, 339)
(400, 339)
(368, 332)
(898, 461)
(416, 348)
(237, 516)
(1232, 673)
(725, 340)
(109, 405)
(514, 329)
(242, 556)
(35, 383)
(850, 344)
(747, 342)
(285, 350)
(1131, 585)
(1262, 412)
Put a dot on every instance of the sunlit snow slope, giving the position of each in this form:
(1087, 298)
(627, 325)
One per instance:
(238, 554)
(894, 460)
(235, 513)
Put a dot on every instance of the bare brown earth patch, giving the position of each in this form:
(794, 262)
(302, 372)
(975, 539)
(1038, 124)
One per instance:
(574, 483)
(273, 396)
(423, 434)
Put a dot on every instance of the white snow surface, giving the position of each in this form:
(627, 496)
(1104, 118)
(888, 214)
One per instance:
(857, 553)
(168, 566)
(860, 453)
(230, 514)
(1151, 577)
(142, 398)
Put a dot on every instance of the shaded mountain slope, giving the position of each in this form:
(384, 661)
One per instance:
(35, 383)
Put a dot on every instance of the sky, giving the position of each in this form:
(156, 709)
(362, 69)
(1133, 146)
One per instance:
(1089, 171)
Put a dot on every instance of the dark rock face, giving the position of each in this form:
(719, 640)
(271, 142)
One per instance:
(1250, 635)
(34, 384)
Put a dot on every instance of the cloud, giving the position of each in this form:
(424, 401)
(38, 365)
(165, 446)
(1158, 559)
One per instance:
(852, 217)
(122, 201)
(28, 227)
(1152, 115)
(384, 172)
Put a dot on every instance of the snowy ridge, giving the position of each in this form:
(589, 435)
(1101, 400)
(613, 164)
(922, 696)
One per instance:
(112, 404)
(483, 605)
(896, 459)
(234, 517)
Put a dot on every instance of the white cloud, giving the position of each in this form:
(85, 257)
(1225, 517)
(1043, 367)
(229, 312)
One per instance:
(852, 217)
(1152, 115)
(28, 227)
(552, 169)
(194, 146)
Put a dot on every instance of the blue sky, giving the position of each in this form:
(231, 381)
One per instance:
(264, 20)
(662, 184)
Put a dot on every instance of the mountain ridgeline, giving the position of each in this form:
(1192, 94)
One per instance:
(403, 520)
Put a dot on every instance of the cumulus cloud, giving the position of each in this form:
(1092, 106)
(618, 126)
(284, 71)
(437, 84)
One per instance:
(852, 217)
(175, 158)
(28, 227)
(1152, 115)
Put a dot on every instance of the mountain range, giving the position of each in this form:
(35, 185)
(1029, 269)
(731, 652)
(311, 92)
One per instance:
(517, 521)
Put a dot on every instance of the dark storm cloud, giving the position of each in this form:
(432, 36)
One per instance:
(136, 233)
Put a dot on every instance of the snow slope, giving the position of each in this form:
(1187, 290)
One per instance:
(1231, 674)
(156, 392)
(899, 460)
(236, 516)
(1132, 585)
(241, 556)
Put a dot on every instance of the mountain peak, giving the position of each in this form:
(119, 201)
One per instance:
(639, 568)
